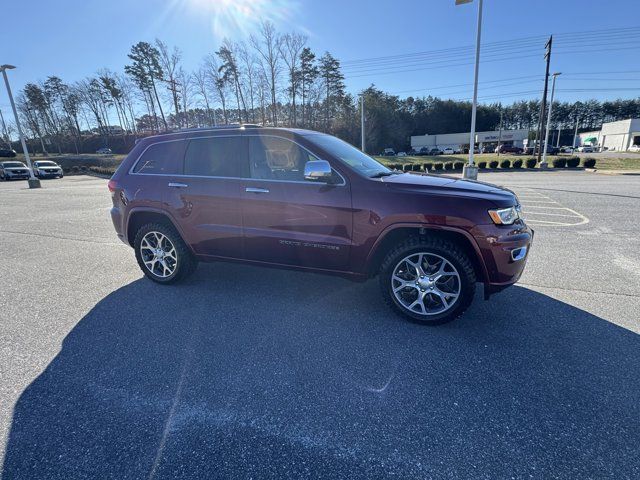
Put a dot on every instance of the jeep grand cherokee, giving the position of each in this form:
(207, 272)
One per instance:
(302, 199)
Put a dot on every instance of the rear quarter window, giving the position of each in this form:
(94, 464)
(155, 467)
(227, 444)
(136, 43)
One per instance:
(163, 158)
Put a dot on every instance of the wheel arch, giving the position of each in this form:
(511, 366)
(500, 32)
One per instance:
(141, 216)
(398, 232)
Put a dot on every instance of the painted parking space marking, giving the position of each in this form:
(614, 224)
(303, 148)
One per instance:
(541, 210)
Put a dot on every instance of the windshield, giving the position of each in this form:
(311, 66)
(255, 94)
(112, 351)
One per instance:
(14, 164)
(350, 155)
(46, 164)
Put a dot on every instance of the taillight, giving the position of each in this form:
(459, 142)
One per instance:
(112, 185)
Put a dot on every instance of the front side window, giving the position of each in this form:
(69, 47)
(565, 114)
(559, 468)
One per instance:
(216, 157)
(350, 155)
(275, 158)
(161, 158)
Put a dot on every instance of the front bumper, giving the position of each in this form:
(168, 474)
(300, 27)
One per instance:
(50, 174)
(504, 250)
(17, 176)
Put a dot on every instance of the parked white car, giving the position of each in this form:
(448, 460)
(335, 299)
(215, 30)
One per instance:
(448, 151)
(634, 148)
(401, 154)
(585, 149)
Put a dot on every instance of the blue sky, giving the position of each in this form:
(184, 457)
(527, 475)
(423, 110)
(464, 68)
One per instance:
(73, 39)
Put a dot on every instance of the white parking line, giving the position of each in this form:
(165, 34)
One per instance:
(537, 208)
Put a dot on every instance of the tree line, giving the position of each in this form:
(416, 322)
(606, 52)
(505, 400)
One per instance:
(271, 79)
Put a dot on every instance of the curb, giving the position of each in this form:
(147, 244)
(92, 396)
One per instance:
(612, 172)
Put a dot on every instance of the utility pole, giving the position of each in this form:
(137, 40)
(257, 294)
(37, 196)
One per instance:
(33, 181)
(470, 170)
(558, 139)
(575, 136)
(543, 164)
(362, 123)
(543, 104)
(500, 133)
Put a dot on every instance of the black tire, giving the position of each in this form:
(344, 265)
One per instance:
(439, 247)
(186, 261)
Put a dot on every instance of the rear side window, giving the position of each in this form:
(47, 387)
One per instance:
(161, 158)
(216, 157)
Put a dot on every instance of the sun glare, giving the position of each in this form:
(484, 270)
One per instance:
(232, 18)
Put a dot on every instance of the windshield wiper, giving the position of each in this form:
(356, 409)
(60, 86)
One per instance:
(383, 174)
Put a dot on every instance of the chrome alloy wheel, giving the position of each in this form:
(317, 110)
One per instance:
(425, 283)
(158, 254)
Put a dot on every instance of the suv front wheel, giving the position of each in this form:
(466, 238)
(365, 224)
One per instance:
(162, 254)
(429, 280)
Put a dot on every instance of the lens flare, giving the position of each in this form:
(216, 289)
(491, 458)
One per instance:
(233, 18)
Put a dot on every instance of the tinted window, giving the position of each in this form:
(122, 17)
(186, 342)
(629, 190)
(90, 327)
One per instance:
(216, 157)
(161, 158)
(14, 165)
(274, 158)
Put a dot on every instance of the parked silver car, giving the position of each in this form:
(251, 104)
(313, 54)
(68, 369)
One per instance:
(13, 170)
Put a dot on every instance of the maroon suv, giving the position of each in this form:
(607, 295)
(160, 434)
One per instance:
(307, 200)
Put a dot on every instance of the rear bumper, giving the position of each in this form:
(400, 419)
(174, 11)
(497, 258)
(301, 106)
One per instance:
(504, 250)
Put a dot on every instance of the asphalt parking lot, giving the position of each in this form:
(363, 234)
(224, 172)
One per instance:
(245, 372)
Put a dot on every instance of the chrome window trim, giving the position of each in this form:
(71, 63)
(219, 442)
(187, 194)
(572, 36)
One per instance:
(303, 182)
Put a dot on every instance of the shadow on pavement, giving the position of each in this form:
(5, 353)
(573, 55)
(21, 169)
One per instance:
(247, 372)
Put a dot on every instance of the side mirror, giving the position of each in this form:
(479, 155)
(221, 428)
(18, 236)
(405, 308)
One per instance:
(317, 170)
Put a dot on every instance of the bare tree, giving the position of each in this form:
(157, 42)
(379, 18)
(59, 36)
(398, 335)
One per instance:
(201, 85)
(268, 47)
(170, 63)
(290, 49)
(248, 62)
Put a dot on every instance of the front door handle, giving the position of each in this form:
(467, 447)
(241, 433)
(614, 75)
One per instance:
(256, 190)
(178, 185)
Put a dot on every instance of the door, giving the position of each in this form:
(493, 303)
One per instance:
(288, 219)
(205, 198)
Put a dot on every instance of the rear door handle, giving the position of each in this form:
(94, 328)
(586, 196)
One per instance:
(256, 190)
(178, 185)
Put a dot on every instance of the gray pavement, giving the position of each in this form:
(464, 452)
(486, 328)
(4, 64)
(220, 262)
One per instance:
(245, 372)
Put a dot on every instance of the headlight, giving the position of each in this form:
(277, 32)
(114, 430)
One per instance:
(505, 216)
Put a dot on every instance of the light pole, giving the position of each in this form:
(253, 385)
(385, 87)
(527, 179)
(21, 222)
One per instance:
(362, 123)
(33, 181)
(544, 163)
(470, 170)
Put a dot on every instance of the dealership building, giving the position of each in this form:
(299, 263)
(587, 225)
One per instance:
(459, 140)
(617, 136)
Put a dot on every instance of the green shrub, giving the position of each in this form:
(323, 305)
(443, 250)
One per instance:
(458, 165)
(493, 164)
(417, 167)
(517, 163)
(75, 169)
(448, 166)
(438, 166)
(531, 162)
(505, 164)
(559, 162)
(573, 162)
(589, 162)
(427, 166)
(407, 167)
(482, 164)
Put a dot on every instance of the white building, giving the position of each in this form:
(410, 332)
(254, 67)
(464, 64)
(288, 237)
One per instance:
(616, 136)
(460, 140)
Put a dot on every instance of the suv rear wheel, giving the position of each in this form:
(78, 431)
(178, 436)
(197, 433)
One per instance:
(429, 280)
(162, 254)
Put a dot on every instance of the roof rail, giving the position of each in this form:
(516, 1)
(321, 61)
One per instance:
(217, 127)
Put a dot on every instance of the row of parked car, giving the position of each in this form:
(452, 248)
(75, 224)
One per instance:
(14, 170)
